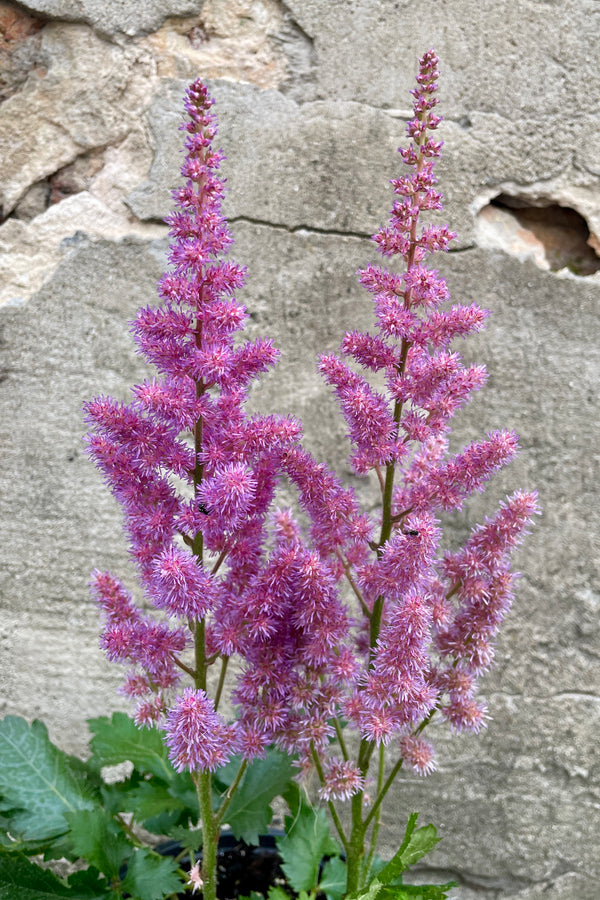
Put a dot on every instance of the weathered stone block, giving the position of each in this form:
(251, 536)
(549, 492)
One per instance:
(128, 17)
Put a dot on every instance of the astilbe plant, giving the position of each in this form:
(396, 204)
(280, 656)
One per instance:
(361, 624)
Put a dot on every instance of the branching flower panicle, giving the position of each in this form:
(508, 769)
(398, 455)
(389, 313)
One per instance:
(360, 622)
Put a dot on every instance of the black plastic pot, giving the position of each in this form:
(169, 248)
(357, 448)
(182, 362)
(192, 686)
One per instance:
(241, 868)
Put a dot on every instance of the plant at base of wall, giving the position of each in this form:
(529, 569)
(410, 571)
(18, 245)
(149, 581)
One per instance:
(350, 637)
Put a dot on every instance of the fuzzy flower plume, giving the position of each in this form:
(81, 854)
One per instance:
(338, 615)
(197, 737)
(428, 619)
(194, 474)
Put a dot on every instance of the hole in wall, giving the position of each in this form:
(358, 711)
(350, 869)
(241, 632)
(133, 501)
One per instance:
(554, 235)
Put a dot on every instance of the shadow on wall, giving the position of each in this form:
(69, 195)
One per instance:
(556, 237)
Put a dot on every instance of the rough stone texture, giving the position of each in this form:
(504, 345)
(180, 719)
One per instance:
(229, 39)
(312, 98)
(91, 95)
(115, 17)
(19, 47)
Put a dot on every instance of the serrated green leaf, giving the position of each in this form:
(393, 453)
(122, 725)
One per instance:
(377, 864)
(88, 883)
(417, 891)
(307, 840)
(10, 846)
(333, 879)
(150, 799)
(96, 838)
(37, 780)
(277, 893)
(250, 813)
(416, 844)
(151, 877)
(116, 794)
(21, 879)
(256, 896)
(189, 838)
(372, 891)
(118, 740)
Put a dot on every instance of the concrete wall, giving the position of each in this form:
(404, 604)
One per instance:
(312, 96)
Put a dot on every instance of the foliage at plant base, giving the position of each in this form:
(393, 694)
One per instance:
(54, 806)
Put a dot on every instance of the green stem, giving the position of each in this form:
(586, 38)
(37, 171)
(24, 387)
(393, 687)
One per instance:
(183, 666)
(426, 720)
(354, 586)
(330, 805)
(210, 835)
(129, 831)
(220, 817)
(379, 799)
(200, 651)
(356, 847)
(224, 662)
(340, 738)
(377, 822)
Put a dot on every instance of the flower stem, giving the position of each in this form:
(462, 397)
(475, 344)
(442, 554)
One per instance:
(379, 799)
(219, 691)
(210, 835)
(200, 651)
(340, 738)
(377, 822)
(332, 810)
(353, 585)
(220, 817)
(356, 846)
(183, 666)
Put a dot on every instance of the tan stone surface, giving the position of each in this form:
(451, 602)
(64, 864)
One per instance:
(91, 95)
(231, 39)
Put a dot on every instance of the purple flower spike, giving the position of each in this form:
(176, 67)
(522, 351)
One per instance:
(194, 474)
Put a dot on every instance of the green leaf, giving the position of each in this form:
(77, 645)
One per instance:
(87, 884)
(417, 891)
(333, 879)
(119, 739)
(416, 844)
(13, 846)
(37, 780)
(277, 893)
(250, 813)
(372, 891)
(20, 879)
(97, 838)
(256, 896)
(307, 840)
(190, 838)
(149, 799)
(151, 877)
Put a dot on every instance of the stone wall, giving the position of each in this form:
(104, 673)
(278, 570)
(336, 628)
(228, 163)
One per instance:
(312, 96)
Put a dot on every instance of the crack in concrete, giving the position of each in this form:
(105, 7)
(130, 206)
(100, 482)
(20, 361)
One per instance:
(314, 229)
(294, 229)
